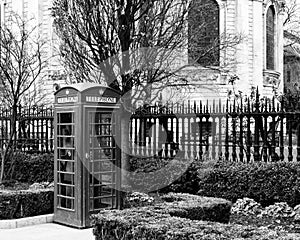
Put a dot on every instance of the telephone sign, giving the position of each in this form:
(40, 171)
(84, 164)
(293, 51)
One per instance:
(95, 99)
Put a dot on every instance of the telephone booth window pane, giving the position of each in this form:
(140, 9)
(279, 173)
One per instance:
(107, 178)
(102, 160)
(66, 160)
(65, 118)
(103, 153)
(66, 178)
(65, 130)
(66, 203)
(66, 166)
(107, 166)
(66, 191)
(102, 191)
(103, 203)
(65, 154)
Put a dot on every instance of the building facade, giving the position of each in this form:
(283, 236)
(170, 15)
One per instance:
(256, 61)
(291, 63)
(37, 14)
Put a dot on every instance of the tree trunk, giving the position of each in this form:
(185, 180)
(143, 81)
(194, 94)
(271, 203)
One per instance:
(124, 151)
(2, 168)
(10, 141)
(125, 125)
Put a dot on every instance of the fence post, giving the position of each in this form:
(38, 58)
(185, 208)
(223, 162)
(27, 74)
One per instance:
(265, 137)
(226, 134)
(290, 136)
(281, 131)
(233, 117)
(213, 132)
(249, 140)
(200, 133)
(256, 128)
(273, 146)
(241, 154)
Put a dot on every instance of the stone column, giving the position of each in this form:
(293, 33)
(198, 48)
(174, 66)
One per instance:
(242, 28)
(258, 43)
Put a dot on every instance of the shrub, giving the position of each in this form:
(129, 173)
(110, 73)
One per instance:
(153, 222)
(188, 182)
(266, 183)
(170, 218)
(147, 175)
(195, 208)
(173, 181)
(23, 167)
(137, 199)
(18, 204)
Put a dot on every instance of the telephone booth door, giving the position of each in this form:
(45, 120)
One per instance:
(102, 154)
(67, 187)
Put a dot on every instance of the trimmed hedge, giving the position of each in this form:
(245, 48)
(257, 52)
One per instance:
(154, 223)
(163, 175)
(26, 203)
(136, 199)
(266, 183)
(147, 175)
(183, 205)
(172, 209)
(188, 182)
(30, 168)
(195, 208)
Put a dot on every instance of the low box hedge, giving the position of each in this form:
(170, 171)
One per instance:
(266, 183)
(195, 208)
(26, 203)
(30, 168)
(172, 209)
(148, 224)
(155, 174)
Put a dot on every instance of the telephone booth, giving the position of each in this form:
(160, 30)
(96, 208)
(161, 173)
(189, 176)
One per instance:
(87, 156)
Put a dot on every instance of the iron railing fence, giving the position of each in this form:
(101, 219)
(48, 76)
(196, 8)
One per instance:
(34, 129)
(249, 130)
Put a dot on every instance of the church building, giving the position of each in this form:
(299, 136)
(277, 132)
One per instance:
(255, 61)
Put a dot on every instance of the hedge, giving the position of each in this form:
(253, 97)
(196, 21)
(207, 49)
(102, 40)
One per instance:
(30, 168)
(195, 208)
(154, 223)
(153, 174)
(266, 183)
(163, 175)
(26, 203)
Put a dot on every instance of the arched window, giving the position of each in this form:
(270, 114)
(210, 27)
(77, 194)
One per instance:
(270, 38)
(203, 30)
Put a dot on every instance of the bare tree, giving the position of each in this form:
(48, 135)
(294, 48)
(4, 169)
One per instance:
(22, 61)
(130, 45)
(292, 20)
